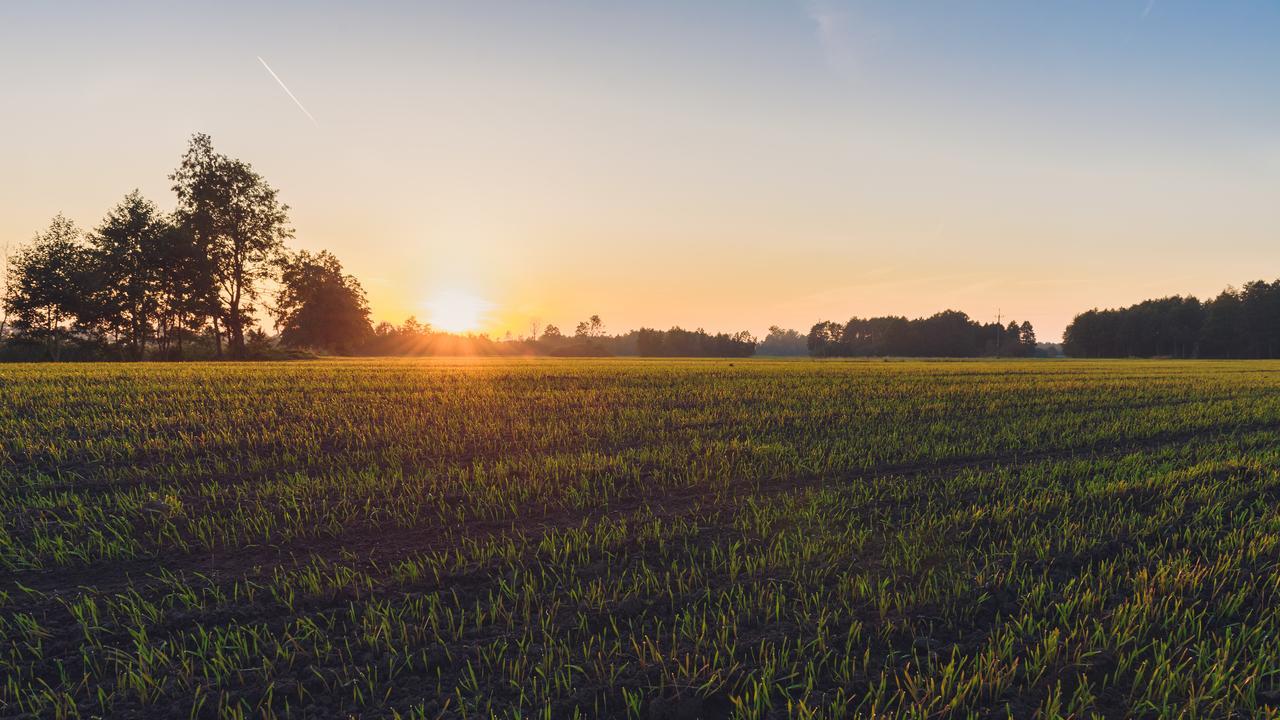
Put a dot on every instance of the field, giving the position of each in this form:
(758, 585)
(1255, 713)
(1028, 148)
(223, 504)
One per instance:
(652, 539)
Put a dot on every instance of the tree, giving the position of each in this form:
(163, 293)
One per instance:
(234, 217)
(551, 333)
(1171, 326)
(187, 291)
(1027, 337)
(129, 261)
(946, 334)
(1260, 305)
(650, 342)
(783, 342)
(5, 256)
(949, 333)
(43, 286)
(592, 327)
(1224, 334)
(823, 339)
(411, 326)
(319, 306)
(678, 342)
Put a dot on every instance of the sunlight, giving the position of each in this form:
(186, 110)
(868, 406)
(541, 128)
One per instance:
(457, 311)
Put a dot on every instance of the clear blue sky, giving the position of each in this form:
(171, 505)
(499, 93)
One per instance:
(724, 164)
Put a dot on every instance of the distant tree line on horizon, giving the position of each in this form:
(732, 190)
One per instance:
(950, 333)
(1242, 323)
(200, 282)
(589, 339)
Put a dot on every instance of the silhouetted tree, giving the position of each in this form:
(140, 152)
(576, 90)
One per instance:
(1027, 338)
(44, 291)
(649, 342)
(1225, 331)
(319, 306)
(592, 327)
(551, 333)
(6, 255)
(783, 342)
(188, 295)
(824, 339)
(678, 342)
(129, 261)
(1260, 306)
(1169, 327)
(946, 334)
(234, 217)
(411, 326)
(949, 333)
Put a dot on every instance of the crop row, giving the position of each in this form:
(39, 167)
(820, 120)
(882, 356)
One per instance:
(1017, 539)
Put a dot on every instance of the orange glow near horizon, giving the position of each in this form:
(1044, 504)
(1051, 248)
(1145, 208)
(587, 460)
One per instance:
(457, 311)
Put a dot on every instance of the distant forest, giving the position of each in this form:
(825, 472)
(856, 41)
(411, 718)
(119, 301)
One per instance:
(588, 339)
(1242, 323)
(947, 334)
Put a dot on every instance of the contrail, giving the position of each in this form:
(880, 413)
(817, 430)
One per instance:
(288, 91)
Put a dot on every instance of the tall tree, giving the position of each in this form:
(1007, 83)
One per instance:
(233, 215)
(1224, 334)
(129, 264)
(1261, 308)
(1027, 338)
(43, 285)
(824, 339)
(319, 306)
(188, 293)
(5, 257)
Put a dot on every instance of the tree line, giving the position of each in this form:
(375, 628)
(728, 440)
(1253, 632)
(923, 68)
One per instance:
(589, 339)
(950, 333)
(193, 283)
(1243, 323)
(145, 283)
(200, 281)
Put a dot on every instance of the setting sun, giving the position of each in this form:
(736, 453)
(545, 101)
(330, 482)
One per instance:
(457, 311)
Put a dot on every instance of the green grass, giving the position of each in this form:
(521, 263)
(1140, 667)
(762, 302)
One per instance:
(640, 538)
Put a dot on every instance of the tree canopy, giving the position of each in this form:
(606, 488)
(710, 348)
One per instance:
(144, 281)
(236, 219)
(320, 306)
(1242, 323)
(950, 333)
(43, 290)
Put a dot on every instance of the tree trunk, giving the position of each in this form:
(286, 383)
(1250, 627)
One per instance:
(235, 319)
(235, 330)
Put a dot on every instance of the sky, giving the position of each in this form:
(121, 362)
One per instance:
(726, 165)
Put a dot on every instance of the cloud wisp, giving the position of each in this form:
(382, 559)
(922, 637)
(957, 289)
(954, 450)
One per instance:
(847, 37)
(832, 34)
(289, 92)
